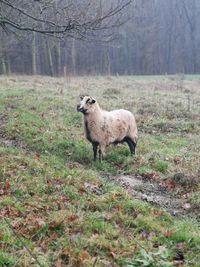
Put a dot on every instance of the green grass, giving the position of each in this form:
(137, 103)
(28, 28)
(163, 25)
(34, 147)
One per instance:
(6, 259)
(189, 77)
(62, 205)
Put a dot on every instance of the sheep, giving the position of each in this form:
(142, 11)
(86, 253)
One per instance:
(107, 127)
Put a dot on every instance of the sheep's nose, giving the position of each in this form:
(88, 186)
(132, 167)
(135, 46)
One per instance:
(78, 107)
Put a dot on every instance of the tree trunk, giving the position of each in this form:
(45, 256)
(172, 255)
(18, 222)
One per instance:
(3, 64)
(107, 59)
(8, 63)
(50, 59)
(58, 59)
(73, 55)
(34, 55)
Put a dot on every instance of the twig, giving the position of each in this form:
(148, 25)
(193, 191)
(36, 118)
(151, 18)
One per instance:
(141, 246)
(22, 242)
(95, 262)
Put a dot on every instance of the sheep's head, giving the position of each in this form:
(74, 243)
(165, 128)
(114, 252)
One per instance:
(86, 105)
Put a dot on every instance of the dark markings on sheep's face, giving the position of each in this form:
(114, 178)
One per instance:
(81, 109)
(85, 105)
(87, 101)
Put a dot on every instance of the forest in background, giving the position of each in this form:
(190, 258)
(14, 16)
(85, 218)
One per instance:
(157, 37)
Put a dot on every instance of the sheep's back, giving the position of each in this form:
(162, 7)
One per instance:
(120, 123)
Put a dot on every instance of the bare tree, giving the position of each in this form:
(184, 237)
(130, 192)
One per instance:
(161, 36)
(190, 12)
(61, 18)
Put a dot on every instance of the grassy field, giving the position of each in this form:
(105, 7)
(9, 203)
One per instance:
(59, 208)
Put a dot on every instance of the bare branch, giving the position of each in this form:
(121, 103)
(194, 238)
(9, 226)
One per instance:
(58, 18)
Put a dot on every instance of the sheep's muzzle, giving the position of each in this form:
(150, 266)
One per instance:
(83, 110)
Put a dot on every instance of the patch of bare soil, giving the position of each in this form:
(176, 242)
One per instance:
(153, 193)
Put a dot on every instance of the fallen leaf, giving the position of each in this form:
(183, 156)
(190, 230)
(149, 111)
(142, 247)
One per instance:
(7, 184)
(66, 251)
(57, 218)
(58, 263)
(169, 234)
(82, 190)
(177, 160)
(84, 255)
(72, 218)
(113, 255)
(157, 213)
(37, 156)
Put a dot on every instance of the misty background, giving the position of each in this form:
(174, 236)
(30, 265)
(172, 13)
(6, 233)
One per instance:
(151, 37)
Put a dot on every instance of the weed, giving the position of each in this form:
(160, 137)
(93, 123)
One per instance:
(195, 199)
(161, 166)
(151, 259)
(6, 259)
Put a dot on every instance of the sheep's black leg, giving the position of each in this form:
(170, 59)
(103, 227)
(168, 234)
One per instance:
(101, 151)
(131, 144)
(100, 155)
(134, 147)
(95, 151)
